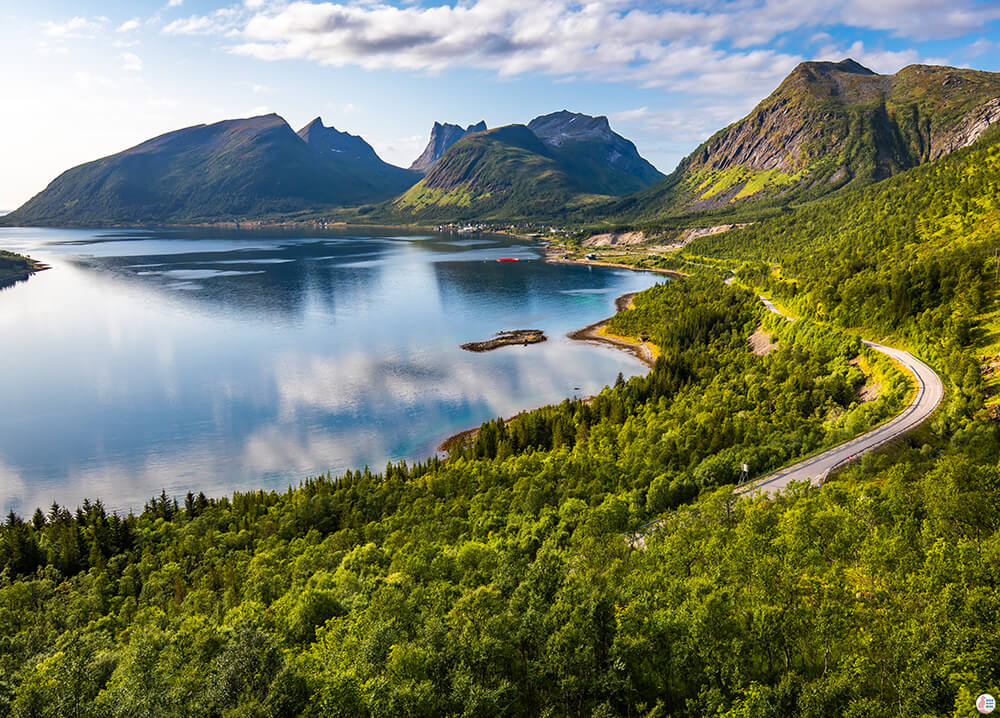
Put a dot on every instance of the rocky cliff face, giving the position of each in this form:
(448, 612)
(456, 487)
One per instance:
(970, 129)
(443, 136)
(831, 125)
(560, 127)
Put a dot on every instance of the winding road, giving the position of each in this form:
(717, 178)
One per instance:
(930, 392)
(815, 469)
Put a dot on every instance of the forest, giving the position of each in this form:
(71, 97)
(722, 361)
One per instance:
(501, 580)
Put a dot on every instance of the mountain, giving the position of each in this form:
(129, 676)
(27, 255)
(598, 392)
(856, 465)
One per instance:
(251, 167)
(829, 126)
(555, 164)
(353, 153)
(442, 137)
(603, 161)
(501, 173)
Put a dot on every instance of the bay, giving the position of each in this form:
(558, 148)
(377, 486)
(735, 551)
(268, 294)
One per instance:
(212, 360)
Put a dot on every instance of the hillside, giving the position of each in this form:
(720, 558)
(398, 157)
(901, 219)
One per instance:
(827, 127)
(556, 163)
(502, 173)
(914, 257)
(233, 169)
(442, 137)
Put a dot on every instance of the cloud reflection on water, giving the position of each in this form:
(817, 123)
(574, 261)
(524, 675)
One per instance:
(126, 387)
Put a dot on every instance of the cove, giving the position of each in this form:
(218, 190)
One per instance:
(211, 360)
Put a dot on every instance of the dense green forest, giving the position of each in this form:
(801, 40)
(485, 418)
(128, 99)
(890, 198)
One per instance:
(914, 257)
(496, 582)
(502, 581)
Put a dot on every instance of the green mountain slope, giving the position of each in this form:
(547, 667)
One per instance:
(233, 169)
(502, 173)
(557, 163)
(828, 126)
(914, 257)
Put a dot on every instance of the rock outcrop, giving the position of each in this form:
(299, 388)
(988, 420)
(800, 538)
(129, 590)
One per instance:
(443, 136)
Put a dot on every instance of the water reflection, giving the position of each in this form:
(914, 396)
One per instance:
(219, 361)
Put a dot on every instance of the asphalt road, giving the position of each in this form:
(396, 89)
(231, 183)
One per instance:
(930, 392)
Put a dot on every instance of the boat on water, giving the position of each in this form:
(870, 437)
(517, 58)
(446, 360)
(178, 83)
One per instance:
(508, 259)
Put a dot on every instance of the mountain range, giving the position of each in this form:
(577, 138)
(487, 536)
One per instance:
(556, 161)
(253, 167)
(828, 127)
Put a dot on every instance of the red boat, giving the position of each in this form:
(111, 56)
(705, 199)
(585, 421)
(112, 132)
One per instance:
(508, 259)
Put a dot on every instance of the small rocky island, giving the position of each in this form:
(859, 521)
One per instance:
(503, 339)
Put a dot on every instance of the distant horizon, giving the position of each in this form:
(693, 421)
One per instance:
(96, 78)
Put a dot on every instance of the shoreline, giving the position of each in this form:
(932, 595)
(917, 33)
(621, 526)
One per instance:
(595, 333)
(592, 334)
(36, 267)
(551, 258)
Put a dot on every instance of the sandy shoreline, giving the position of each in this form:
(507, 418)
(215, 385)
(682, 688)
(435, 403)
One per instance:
(595, 334)
(589, 333)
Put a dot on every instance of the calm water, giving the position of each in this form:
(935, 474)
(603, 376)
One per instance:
(217, 361)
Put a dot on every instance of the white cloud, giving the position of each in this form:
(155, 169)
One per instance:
(131, 62)
(629, 115)
(76, 27)
(194, 25)
(689, 47)
(920, 19)
(44, 48)
(129, 25)
(175, 3)
(88, 81)
(981, 47)
(881, 61)
(218, 22)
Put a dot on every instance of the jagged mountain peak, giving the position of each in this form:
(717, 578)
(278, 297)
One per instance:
(443, 136)
(330, 139)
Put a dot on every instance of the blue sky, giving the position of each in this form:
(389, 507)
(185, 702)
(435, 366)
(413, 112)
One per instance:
(84, 79)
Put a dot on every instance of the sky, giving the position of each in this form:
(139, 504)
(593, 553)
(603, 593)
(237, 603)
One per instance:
(80, 80)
